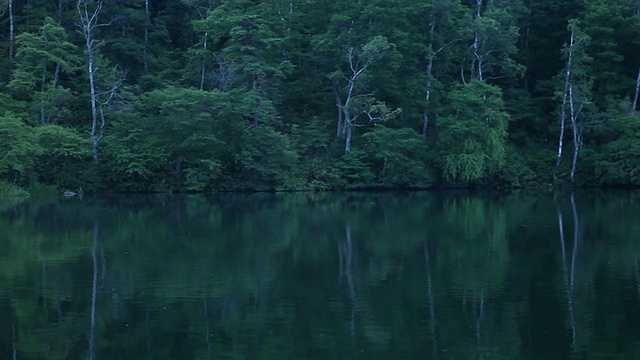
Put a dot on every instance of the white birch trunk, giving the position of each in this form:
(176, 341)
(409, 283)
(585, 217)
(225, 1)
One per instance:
(99, 135)
(94, 107)
(347, 142)
(12, 32)
(427, 99)
(635, 96)
(56, 75)
(476, 44)
(203, 71)
(572, 117)
(43, 117)
(146, 36)
(562, 122)
(476, 69)
(350, 109)
(88, 23)
(427, 96)
(577, 144)
(340, 106)
(348, 116)
(567, 84)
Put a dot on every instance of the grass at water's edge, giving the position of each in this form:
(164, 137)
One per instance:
(11, 195)
(11, 190)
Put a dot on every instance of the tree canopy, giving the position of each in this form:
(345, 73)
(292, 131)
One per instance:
(200, 95)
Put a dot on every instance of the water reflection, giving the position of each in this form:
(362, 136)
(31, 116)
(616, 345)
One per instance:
(569, 271)
(360, 275)
(431, 303)
(94, 289)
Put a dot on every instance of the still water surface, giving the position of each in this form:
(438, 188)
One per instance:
(430, 275)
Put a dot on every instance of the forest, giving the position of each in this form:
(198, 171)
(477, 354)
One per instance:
(230, 95)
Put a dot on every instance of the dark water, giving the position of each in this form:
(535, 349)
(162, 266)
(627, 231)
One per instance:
(322, 276)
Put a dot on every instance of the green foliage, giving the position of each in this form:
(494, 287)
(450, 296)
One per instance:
(494, 34)
(480, 243)
(316, 147)
(65, 155)
(11, 190)
(39, 53)
(267, 160)
(614, 28)
(619, 161)
(43, 191)
(18, 150)
(170, 140)
(301, 83)
(355, 170)
(518, 172)
(473, 137)
(399, 156)
(375, 49)
(134, 159)
(41, 59)
(246, 53)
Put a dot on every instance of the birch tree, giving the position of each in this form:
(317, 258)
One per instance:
(12, 31)
(634, 104)
(576, 91)
(352, 100)
(7, 8)
(636, 29)
(446, 20)
(495, 34)
(88, 13)
(147, 14)
(202, 53)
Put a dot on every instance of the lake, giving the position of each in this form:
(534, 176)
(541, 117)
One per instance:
(393, 275)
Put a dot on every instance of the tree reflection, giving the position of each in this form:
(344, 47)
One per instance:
(474, 257)
(14, 342)
(569, 266)
(94, 290)
(421, 276)
(347, 263)
(578, 273)
(637, 273)
(431, 303)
